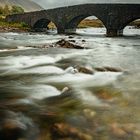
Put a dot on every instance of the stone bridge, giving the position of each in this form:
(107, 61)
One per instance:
(114, 17)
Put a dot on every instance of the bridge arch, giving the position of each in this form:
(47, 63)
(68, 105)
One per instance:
(43, 24)
(75, 21)
(127, 22)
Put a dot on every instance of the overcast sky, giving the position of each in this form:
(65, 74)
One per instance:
(47, 4)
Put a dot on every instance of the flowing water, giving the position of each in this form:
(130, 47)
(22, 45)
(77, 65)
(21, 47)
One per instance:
(43, 93)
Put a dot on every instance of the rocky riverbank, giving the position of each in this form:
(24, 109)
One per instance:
(12, 29)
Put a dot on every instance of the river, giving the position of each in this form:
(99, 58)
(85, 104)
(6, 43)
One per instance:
(44, 97)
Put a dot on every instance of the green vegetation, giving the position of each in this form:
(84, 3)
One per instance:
(21, 25)
(12, 25)
(7, 10)
(16, 10)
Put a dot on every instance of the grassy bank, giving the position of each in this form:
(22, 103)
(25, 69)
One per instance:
(6, 26)
(90, 23)
(135, 24)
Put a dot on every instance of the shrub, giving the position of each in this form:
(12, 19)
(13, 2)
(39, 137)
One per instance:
(6, 10)
(23, 24)
(16, 9)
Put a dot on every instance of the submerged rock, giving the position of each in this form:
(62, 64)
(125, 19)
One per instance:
(15, 126)
(128, 130)
(67, 44)
(63, 131)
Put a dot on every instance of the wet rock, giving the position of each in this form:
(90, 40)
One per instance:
(71, 36)
(65, 90)
(72, 41)
(83, 40)
(100, 69)
(111, 69)
(67, 44)
(15, 126)
(107, 69)
(85, 70)
(131, 128)
(107, 94)
(117, 131)
(125, 130)
(62, 131)
(80, 69)
(46, 46)
(71, 70)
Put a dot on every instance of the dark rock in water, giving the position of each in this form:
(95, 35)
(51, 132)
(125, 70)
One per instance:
(100, 69)
(15, 126)
(111, 69)
(70, 36)
(66, 44)
(108, 69)
(72, 41)
(85, 70)
(83, 40)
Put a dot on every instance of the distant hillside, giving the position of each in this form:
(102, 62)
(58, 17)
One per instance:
(27, 5)
(48, 4)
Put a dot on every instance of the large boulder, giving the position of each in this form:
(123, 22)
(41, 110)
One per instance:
(67, 44)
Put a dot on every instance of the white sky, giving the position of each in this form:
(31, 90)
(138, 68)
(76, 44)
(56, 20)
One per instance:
(47, 4)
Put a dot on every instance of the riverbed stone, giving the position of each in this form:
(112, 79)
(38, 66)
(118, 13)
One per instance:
(125, 130)
(15, 126)
(64, 131)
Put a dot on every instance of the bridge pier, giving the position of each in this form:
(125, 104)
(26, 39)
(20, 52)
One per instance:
(60, 30)
(114, 33)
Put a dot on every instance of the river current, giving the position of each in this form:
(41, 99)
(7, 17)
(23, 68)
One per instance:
(41, 90)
